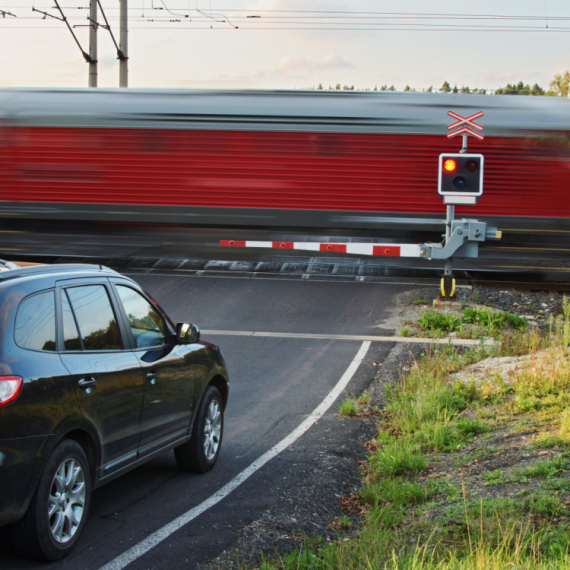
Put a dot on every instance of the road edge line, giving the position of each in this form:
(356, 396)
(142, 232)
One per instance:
(170, 528)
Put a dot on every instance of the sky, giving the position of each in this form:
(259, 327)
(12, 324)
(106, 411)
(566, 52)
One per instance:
(291, 44)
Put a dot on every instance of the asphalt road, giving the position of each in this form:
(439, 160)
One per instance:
(276, 383)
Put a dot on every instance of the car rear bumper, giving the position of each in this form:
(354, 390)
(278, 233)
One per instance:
(21, 461)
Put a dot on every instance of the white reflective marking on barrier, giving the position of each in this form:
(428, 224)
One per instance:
(359, 248)
(410, 250)
(308, 246)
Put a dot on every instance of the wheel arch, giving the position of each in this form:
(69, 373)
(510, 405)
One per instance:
(221, 384)
(90, 448)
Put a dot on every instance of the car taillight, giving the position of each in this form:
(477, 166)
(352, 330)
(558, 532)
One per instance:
(10, 387)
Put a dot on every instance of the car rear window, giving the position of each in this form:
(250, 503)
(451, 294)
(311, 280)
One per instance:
(35, 322)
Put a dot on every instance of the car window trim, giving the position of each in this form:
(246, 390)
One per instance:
(126, 323)
(70, 283)
(40, 292)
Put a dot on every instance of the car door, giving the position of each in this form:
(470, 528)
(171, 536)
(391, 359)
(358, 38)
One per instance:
(168, 367)
(106, 374)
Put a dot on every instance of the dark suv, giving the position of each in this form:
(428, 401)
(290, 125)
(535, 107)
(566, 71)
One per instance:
(94, 380)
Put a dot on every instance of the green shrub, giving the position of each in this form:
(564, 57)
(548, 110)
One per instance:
(438, 322)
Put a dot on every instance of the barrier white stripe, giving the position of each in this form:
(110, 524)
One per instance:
(162, 534)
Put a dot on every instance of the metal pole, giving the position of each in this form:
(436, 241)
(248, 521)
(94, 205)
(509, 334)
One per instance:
(448, 270)
(123, 63)
(93, 43)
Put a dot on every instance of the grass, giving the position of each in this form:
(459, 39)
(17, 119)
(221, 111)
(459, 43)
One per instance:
(416, 521)
(351, 407)
(474, 323)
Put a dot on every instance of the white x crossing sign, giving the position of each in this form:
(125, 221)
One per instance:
(465, 125)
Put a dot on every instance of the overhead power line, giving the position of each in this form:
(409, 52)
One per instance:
(168, 12)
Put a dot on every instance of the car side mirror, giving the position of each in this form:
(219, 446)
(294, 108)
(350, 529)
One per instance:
(187, 334)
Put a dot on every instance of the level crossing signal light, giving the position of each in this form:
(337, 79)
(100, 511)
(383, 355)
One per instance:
(460, 178)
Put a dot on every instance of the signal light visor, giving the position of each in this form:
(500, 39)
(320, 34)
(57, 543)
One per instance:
(10, 388)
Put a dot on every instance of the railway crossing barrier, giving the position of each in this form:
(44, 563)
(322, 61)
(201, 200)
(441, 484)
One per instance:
(460, 182)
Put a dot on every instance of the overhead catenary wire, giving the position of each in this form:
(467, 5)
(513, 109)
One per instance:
(327, 20)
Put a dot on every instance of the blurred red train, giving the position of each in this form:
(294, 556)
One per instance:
(301, 159)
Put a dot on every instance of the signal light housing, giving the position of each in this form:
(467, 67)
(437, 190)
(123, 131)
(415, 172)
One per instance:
(460, 178)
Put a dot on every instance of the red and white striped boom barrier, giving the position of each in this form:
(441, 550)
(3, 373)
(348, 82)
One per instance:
(463, 242)
(378, 249)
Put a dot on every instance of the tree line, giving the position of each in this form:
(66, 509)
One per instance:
(559, 87)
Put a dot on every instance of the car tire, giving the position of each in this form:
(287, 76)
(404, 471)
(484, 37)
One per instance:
(201, 452)
(58, 509)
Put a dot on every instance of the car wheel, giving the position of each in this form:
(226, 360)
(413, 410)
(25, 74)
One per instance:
(56, 514)
(201, 452)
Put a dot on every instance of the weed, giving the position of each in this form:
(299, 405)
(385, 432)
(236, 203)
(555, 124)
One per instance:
(471, 427)
(398, 458)
(495, 477)
(434, 322)
(395, 491)
(420, 302)
(480, 452)
(545, 469)
(476, 296)
(348, 407)
(406, 332)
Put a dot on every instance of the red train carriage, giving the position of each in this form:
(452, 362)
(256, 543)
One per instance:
(360, 160)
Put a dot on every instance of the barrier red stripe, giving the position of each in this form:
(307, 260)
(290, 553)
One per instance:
(284, 244)
(386, 251)
(337, 248)
(232, 243)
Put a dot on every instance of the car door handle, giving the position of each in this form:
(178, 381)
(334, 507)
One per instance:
(87, 383)
(151, 376)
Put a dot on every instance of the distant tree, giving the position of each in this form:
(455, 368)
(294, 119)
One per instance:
(407, 88)
(320, 86)
(375, 88)
(465, 89)
(520, 88)
(391, 88)
(560, 85)
(455, 90)
(337, 87)
(429, 89)
(445, 88)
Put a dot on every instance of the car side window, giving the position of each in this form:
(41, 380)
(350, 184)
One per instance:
(35, 322)
(95, 319)
(146, 323)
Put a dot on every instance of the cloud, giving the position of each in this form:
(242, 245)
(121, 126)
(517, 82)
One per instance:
(333, 61)
(303, 67)
(295, 65)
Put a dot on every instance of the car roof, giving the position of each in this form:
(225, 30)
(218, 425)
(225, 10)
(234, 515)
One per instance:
(12, 271)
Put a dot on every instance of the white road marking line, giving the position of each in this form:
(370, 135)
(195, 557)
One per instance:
(357, 338)
(163, 533)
